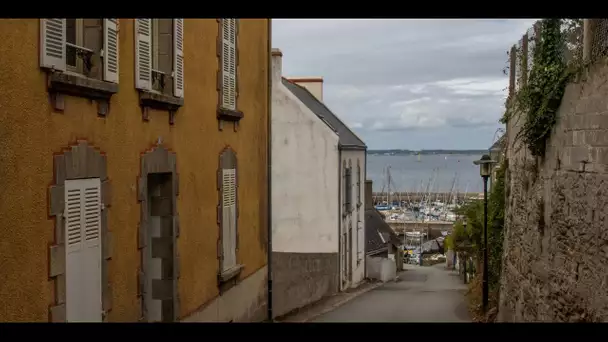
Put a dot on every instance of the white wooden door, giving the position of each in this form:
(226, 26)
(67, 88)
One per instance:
(83, 250)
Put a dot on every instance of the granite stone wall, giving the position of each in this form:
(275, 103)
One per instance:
(300, 279)
(555, 263)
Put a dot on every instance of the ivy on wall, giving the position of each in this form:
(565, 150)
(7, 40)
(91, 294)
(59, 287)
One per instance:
(540, 97)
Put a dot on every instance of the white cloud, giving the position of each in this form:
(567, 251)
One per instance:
(429, 78)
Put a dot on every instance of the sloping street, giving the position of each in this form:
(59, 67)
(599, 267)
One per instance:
(422, 294)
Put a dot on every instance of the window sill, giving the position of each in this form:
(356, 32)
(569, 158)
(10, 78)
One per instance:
(79, 85)
(230, 273)
(229, 114)
(148, 99)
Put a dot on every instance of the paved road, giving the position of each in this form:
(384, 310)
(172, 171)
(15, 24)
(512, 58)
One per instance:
(422, 294)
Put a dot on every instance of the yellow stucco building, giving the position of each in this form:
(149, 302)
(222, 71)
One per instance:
(133, 168)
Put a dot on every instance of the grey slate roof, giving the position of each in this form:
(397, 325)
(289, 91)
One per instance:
(374, 227)
(348, 140)
(498, 145)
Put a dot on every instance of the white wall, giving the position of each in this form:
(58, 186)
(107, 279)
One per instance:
(382, 269)
(357, 215)
(305, 215)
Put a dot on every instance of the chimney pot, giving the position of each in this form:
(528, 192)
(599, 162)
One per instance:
(277, 64)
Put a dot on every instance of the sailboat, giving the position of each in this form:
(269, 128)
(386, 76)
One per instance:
(418, 157)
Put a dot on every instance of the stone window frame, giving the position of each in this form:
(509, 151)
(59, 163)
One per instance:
(74, 83)
(78, 161)
(157, 160)
(224, 114)
(227, 160)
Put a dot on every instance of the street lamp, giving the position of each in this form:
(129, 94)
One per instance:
(485, 169)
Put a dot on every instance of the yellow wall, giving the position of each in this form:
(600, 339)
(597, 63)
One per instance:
(31, 131)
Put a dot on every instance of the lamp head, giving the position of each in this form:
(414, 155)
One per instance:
(485, 165)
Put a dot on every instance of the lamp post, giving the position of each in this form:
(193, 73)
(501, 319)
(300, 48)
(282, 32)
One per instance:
(485, 169)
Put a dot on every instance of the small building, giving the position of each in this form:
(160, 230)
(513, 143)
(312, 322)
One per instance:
(383, 251)
(305, 197)
(351, 170)
(134, 169)
(497, 153)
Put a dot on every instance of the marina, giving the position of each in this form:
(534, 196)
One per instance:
(421, 218)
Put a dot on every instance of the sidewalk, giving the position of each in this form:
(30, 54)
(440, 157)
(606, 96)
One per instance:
(328, 304)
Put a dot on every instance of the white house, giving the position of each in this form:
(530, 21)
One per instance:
(351, 169)
(305, 199)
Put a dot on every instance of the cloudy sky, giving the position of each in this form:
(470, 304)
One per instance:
(407, 83)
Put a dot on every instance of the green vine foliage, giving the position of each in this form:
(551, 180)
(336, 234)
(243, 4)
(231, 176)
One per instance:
(473, 212)
(539, 98)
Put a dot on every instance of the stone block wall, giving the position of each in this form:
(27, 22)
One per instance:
(555, 264)
(299, 279)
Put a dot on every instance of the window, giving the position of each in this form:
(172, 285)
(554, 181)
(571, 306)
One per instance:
(358, 184)
(88, 47)
(228, 32)
(83, 250)
(228, 209)
(159, 56)
(348, 189)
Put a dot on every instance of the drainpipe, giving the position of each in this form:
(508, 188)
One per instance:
(269, 173)
(364, 197)
(340, 218)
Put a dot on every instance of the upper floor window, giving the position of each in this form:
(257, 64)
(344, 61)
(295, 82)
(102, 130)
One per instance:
(228, 63)
(88, 47)
(348, 187)
(159, 56)
(227, 77)
(358, 184)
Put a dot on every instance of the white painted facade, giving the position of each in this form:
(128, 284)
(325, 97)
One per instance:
(305, 175)
(352, 227)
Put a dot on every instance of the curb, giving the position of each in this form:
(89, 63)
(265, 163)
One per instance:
(342, 302)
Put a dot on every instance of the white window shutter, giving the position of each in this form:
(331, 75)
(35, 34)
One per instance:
(178, 57)
(229, 64)
(143, 54)
(83, 250)
(110, 50)
(52, 43)
(229, 218)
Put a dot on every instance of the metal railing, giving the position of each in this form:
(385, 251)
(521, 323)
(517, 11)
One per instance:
(586, 41)
(84, 54)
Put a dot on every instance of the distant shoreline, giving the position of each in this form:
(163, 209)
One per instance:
(424, 152)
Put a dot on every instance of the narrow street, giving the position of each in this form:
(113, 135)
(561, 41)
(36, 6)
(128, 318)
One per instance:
(422, 294)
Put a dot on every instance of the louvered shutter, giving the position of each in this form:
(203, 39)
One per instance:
(143, 54)
(110, 50)
(52, 43)
(178, 57)
(229, 64)
(83, 250)
(229, 218)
